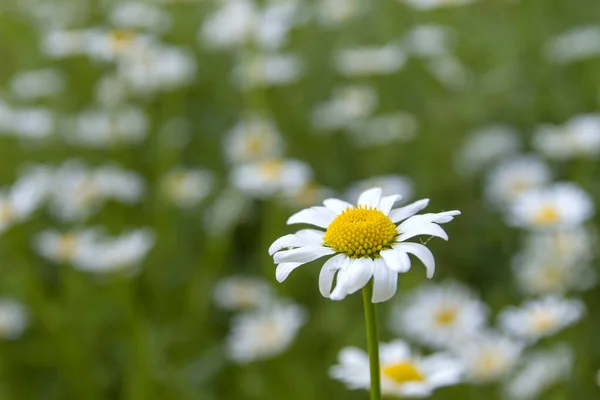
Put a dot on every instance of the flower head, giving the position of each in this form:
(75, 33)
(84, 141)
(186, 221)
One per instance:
(364, 240)
(403, 373)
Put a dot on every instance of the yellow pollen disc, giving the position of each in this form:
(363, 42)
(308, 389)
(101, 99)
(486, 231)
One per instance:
(271, 169)
(360, 232)
(543, 321)
(6, 212)
(402, 372)
(547, 215)
(67, 246)
(445, 316)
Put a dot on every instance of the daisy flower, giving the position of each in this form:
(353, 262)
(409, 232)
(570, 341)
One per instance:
(403, 373)
(541, 371)
(14, 318)
(438, 315)
(242, 293)
(540, 318)
(364, 241)
(578, 137)
(488, 356)
(264, 333)
(389, 185)
(563, 204)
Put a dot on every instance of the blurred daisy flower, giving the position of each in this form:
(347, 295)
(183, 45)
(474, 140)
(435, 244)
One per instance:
(348, 106)
(561, 205)
(431, 4)
(439, 315)
(264, 333)
(579, 43)
(403, 372)
(367, 61)
(276, 177)
(260, 70)
(254, 138)
(364, 242)
(539, 318)
(540, 371)
(578, 137)
(36, 84)
(513, 177)
(488, 356)
(334, 12)
(242, 292)
(389, 185)
(14, 318)
(139, 14)
(383, 129)
(187, 187)
(485, 146)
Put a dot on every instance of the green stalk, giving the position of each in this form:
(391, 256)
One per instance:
(372, 341)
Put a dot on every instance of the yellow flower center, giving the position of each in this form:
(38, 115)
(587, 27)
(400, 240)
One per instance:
(67, 246)
(6, 212)
(543, 321)
(121, 40)
(547, 215)
(360, 232)
(446, 316)
(402, 372)
(271, 169)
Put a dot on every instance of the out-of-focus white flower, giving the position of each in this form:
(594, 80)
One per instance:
(26, 123)
(110, 91)
(334, 12)
(110, 45)
(104, 129)
(485, 146)
(242, 292)
(275, 177)
(488, 356)
(31, 85)
(139, 14)
(513, 177)
(578, 137)
(403, 373)
(539, 318)
(14, 319)
(389, 184)
(365, 61)
(348, 106)
(264, 333)
(383, 129)
(556, 262)
(598, 378)
(429, 41)
(229, 208)
(78, 192)
(561, 205)
(308, 194)
(65, 43)
(450, 72)
(65, 247)
(541, 370)
(364, 243)
(267, 70)
(254, 138)
(576, 44)
(431, 4)
(237, 22)
(187, 187)
(154, 68)
(440, 315)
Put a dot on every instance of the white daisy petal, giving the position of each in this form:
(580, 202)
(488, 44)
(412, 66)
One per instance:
(358, 274)
(328, 272)
(396, 260)
(385, 282)
(285, 242)
(318, 216)
(422, 253)
(427, 229)
(370, 198)
(302, 255)
(400, 214)
(387, 202)
(311, 236)
(337, 205)
(340, 291)
(284, 270)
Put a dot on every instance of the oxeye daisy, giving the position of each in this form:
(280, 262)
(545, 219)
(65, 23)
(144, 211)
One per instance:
(367, 240)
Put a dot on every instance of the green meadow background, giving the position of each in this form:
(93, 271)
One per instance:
(158, 335)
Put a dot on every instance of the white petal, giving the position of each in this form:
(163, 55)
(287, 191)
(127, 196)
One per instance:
(422, 253)
(402, 213)
(311, 236)
(304, 237)
(386, 203)
(337, 205)
(340, 292)
(328, 272)
(427, 229)
(318, 216)
(284, 270)
(385, 282)
(302, 255)
(370, 198)
(396, 260)
(358, 274)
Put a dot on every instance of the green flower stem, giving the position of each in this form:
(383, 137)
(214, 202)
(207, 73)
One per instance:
(372, 341)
